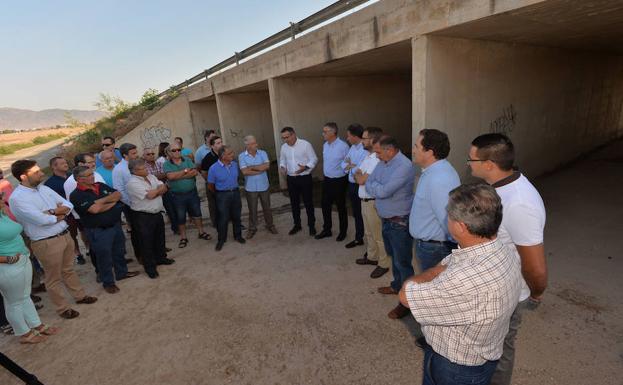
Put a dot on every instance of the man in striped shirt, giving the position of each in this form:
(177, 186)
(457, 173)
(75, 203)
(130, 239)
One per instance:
(465, 303)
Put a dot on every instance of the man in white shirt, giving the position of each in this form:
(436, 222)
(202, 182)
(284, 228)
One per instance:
(375, 254)
(335, 182)
(42, 212)
(145, 192)
(465, 302)
(120, 177)
(492, 158)
(296, 161)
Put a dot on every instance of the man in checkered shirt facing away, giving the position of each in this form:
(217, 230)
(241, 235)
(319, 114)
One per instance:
(464, 304)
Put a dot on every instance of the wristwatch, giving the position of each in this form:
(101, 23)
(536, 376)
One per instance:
(185, 171)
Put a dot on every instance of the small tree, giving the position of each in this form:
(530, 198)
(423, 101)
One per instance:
(150, 99)
(114, 105)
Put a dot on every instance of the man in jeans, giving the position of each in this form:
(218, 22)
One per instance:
(464, 303)
(492, 158)
(429, 220)
(223, 181)
(254, 165)
(391, 185)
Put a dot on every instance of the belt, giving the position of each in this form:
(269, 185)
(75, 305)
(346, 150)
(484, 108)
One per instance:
(437, 242)
(54, 236)
(232, 190)
(148, 213)
(368, 199)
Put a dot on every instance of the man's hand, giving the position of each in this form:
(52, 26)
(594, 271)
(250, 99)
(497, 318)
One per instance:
(115, 197)
(191, 173)
(360, 177)
(301, 169)
(61, 210)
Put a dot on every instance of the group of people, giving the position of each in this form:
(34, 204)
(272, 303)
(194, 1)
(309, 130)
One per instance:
(479, 247)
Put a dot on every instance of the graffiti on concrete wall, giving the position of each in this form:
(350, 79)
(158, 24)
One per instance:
(505, 123)
(152, 136)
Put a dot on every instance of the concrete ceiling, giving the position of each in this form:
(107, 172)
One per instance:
(391, 59)
(255, 87)
(575, 24)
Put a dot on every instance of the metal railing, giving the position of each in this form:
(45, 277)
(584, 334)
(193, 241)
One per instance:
(327, 13)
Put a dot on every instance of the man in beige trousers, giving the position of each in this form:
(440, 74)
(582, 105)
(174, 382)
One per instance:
(375, 254)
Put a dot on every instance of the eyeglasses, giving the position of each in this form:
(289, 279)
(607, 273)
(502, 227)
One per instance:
(476, 160)
(175, 150)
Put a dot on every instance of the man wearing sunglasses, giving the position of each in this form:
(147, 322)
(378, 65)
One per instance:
(108, 143)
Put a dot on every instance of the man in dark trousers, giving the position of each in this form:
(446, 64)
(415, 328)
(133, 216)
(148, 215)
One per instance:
(100, 209)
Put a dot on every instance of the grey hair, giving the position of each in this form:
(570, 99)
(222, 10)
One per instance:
(478, 206)
(222, 150)
(134, 163)
(78, 171)
(249, 138)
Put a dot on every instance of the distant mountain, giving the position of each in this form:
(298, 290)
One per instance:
(18, 119)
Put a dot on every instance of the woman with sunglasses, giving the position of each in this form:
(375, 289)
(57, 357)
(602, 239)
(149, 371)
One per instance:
(15, 281)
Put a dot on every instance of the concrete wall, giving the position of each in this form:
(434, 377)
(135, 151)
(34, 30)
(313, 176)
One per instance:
(244, 114)
(204, 116)
(375, 100)
(555, 104)
(170, 121)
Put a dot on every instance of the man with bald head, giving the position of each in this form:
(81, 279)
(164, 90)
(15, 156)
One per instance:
(254, 165)
(107, 160)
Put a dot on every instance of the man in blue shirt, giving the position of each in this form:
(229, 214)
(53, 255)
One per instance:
(391, 184)
(223, 180)
(335, 181)
(204, 149)
(253, 164)
(108, 143)
(107, 158)
(356, 155)
(428, 223)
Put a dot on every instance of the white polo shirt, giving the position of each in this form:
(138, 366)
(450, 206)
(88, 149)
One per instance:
(523, 218)
(368, 164)
(137, 188)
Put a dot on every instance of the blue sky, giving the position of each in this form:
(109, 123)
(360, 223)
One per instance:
(62, 54)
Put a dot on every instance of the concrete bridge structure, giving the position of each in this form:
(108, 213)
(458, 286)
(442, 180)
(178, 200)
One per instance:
(548, 73)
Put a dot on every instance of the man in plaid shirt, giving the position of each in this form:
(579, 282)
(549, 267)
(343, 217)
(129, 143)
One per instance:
(464, 304)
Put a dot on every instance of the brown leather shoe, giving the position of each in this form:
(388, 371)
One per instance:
(378, 272)
(399, 311)
(387, 290)
(111, 289)
(87, 300)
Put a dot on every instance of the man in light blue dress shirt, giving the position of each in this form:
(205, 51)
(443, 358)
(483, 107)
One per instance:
(205, 148)
(428, 223)
(391, 184)
(254, 165)
(356, 155)
(335, 181)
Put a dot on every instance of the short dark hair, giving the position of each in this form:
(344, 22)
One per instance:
(207, 133)
(436, 141)
(222, 150)
(81, 157)
(162, 149)
(21, 167)
(497, 148)
(109, 137)
(135, 163)
(388, 141)
(54, 159)
(287, 129)
(125, 148)
(214, 138)
(478, 206)
(78, 171)
(180, 139)
(332, 126)
(374, 133)
(355, 129)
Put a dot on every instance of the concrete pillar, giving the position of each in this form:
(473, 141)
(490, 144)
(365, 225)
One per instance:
(419, 52)
(246, 113)
(306, 103)
(204, 115)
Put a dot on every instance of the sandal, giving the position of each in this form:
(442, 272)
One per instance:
(87, 300)
(47, 330)
(32, 337)
(69, 314)
(205, 236)
(7, 329)
(183, 243)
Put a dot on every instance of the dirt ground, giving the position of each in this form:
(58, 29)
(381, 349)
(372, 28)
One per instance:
(29, 135)
(292, 310)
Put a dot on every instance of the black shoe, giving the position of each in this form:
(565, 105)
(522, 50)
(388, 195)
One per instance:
(241, 240)
(365, 260)
(219, 245)
(340, 237)
(421, 342)
(354, 243)
(294, 230)
(323, 234)
(153, 274)
(166, 261)
(378, 272)
(312, 231)
(80, 260)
